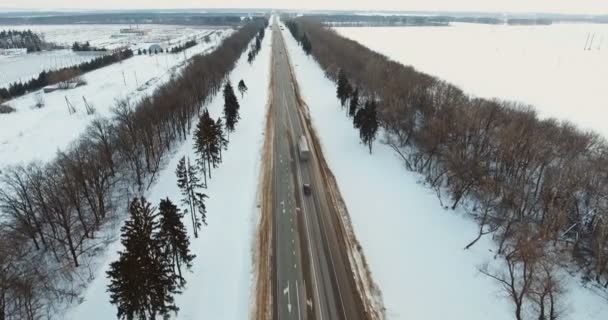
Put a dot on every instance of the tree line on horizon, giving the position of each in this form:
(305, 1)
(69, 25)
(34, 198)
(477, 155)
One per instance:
(53, 213)
(539, 187)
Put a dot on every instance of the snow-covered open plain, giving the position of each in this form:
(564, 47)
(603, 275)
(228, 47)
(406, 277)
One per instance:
(109, 36)
(24, 67)
(219, 285)
(413, 246)
(36, 134)
(545, 66)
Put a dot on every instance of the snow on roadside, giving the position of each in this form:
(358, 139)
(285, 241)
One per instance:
(413, 246)
(219, 285)
(36, 134)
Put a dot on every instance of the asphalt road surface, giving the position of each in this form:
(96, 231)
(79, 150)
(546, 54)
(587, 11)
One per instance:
(312, 276)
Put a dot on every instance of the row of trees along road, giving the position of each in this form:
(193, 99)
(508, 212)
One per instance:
(257, 45)
(52, 213)
(157, 247)
(538, 186)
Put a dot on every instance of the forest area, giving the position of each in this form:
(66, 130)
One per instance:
(538, 187)
(53, 213)
(11, 39)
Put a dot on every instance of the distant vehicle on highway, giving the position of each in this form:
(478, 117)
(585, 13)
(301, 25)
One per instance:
(303, 148)
(307, 190)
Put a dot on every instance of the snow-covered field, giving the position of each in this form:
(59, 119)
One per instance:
(109, 36)
(27, 66)
(413, 246)
(24, 67)
(545, 66)
(219, 286)
(36, 134)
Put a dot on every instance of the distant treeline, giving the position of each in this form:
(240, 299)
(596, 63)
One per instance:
(129, 18)
(529, 22)
(86, 47)
(539, 187)
(186, 45)
(46, 78)
(379, 20)
(52, 213)
(355, 20)
(10, 39)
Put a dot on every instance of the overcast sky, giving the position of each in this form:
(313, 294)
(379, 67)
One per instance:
(555, 6)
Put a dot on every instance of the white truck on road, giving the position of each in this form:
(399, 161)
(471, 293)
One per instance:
(303, 148)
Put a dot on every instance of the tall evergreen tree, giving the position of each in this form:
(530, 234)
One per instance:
(354, 103)
(242, 87)
(142, 283)
(174, 238)
(344, 89)
(189, 184)
(206, 142)
(306, 45)
(221, 136)
(231, 107)
(366, 120)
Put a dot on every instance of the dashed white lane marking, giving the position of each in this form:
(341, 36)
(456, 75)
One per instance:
(298, 299)
(286, 292)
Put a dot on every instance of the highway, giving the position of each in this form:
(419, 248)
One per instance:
(312, 278)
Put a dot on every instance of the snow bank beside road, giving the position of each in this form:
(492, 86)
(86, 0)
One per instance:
(413, 246)
(219, 285)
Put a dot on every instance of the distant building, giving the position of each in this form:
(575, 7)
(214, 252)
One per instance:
(156, 48)
(139, 32)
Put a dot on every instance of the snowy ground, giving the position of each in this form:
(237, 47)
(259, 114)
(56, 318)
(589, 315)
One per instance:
(413, 246)
(24, 67)
(36, 134)
(109, 36)
(545, 66)
(220, 283)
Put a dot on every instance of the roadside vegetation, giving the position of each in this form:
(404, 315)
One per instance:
(54, 214)
(537, 186)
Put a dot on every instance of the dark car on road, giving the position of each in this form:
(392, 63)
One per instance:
(307, 190)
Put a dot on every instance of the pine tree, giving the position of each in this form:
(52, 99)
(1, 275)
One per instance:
(189, 184)
(344, 89)
(207, 144)
(142, 283)
(354, 103)
(231, 107)
(242, 87)
(174, 238)
(366, 120)
(306, 45)
(221, 136)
